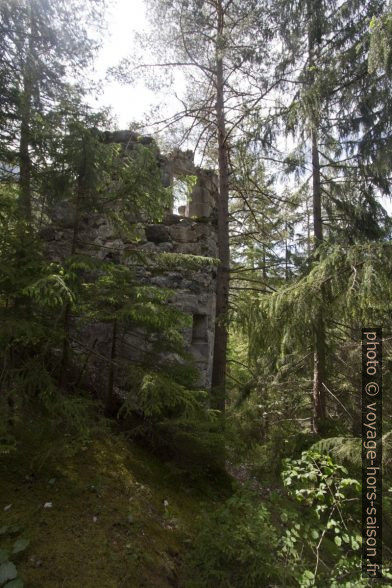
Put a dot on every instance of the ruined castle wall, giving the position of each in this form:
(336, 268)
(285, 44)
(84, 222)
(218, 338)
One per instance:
(193, 231)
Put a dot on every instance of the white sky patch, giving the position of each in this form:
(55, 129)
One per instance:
(124, 18)
(132, 102)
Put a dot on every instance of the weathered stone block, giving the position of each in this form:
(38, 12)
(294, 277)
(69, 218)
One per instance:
(63, 214)
(165, 247)
(48, 234)
(105, 231)
(157, 233)
(199, 209)
(188, 248)
(172, 219)
(183, 233)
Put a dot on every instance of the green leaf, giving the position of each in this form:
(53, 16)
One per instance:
(354, 543)
(308, 574)
(7, 572)
(307, 578)
(20, 545)
(338, 540)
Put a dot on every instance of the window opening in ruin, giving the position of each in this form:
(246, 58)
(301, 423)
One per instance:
(180, 196)
(182, 190)
(199, 328)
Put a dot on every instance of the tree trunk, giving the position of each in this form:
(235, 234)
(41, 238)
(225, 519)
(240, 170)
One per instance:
(264, 270)
(110, 404)
(81, 187)
(319, 412)
(317, 218)
(319, 399)
(25, 166)
(24, 155)
(222, 287)
(286, 254)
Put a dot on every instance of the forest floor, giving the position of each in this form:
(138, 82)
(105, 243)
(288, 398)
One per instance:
(100, 513)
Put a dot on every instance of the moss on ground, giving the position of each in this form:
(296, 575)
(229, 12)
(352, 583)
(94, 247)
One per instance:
(118, 516)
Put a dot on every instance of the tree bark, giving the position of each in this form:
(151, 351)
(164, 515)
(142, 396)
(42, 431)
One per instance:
(79, 193)
(110, 404)
(286, 254)
(222, 286)
(319, 412)
(316, 188)
(319, 397)
(25, 166)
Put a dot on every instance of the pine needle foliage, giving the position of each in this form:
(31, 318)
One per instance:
(45, 306)
(355, 280)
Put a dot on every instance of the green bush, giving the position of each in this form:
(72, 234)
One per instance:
(234, 547)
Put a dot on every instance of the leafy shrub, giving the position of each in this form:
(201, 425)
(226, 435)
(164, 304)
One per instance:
(234, 547)
(322, 542)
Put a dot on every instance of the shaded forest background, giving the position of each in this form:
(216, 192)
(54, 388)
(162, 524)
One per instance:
(290, 104)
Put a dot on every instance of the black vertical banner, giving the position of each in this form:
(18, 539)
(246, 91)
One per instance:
(372, 453)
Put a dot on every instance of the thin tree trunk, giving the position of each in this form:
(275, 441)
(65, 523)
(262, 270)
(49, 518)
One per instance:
(286, 255)
(264, 270)
(67, 311)
(319, 412)
(222, 287)
(308, 225)
(316, 186)
(110, 405)
(24, 155)
(319, 397)
(318, 393)
(25, 166)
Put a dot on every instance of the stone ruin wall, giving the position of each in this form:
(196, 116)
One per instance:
(191, 230)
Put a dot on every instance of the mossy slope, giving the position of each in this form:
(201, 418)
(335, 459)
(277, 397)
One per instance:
(118, 516)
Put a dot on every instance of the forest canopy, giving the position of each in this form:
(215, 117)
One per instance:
(213, 349)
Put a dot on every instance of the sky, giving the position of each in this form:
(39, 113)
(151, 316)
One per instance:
(125, 17)
(129, 103)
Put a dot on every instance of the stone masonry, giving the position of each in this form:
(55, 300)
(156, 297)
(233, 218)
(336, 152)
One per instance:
(190, 230)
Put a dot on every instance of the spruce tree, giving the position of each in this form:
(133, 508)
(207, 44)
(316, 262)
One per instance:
(43, 44)
(324, 63)
(213, 44)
